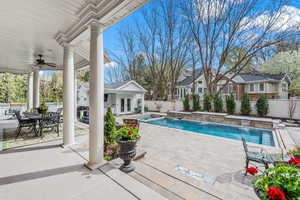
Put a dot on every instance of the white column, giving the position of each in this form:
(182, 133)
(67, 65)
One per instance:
(30, 91)
(68, 101)
(75, 95)
(96, 109)
(143, 103)
(36, 89)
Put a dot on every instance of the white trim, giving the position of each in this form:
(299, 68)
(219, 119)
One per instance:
(129, 82)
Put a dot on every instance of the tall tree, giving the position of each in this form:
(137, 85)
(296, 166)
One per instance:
(218, 26)
(155, 49)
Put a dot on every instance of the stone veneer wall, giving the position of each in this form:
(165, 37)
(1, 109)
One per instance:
(220, 118)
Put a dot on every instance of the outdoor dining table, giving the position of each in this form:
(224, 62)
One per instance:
(33, 116)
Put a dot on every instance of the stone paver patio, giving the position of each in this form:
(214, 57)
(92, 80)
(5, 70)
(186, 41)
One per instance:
(212, 164)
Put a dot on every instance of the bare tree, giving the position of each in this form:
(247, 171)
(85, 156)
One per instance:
(155, 48)
(218, 26)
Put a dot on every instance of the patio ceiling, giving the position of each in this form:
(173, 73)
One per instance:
(32, 27)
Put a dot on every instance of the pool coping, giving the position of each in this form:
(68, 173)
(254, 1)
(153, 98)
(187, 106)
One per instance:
(275, 138)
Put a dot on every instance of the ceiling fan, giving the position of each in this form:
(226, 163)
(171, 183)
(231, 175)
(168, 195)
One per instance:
(40, 62)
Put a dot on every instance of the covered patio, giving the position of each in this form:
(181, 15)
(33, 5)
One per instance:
(69, 35)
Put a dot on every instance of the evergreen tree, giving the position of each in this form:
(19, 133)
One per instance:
(186, 103)
(218, 103)
(245, 105)
(207, 103)
(230, 104)
(262, 106)
(196, 102)
(109, 127)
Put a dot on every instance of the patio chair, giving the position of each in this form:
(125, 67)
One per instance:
(24, 123)
(131, 122)
(60, 112)
(49, 120)
(255, 154)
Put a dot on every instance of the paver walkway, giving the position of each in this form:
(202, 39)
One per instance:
(212, 164)
(295, 134)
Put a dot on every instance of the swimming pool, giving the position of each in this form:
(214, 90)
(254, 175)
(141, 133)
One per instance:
(254, 135)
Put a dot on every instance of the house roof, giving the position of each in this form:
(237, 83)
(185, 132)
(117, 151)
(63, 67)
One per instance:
(130, 85)
(115, 85)
(259, 76)
(189, 79)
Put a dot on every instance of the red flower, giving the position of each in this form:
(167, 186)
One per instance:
(275, 193)
(131, 123)
(295, 161)
(130, 133)
(252, 170)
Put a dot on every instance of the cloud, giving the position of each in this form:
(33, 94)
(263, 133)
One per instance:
(111, 65)
(288, 18)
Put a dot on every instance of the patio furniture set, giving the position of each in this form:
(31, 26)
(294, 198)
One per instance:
(37, 122)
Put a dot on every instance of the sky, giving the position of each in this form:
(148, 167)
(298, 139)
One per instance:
(111, 39)
(111, 42)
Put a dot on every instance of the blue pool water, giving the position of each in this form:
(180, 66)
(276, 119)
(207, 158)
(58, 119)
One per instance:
(254, 135)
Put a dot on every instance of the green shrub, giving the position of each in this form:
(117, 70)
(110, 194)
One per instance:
(262, 106)
(207, 103)
(230, 104)
(186, 103)
(196, 102)
(245, 105)
(218, 103)
(285, 178)
(109, 127)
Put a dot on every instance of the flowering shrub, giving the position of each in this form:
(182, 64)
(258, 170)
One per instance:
(294, 161)
(252, 170)
(128, 133)
(275, 193)
(281, 182)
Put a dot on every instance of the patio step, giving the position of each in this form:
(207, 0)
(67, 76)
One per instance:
(137, 189)
(168, 186)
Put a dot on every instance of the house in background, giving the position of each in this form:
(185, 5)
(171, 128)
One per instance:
(123, 97)
(185, 84)
(274, 86)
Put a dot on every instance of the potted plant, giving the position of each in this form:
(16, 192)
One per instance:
(282, 182)
(127, 137)
(42, 109)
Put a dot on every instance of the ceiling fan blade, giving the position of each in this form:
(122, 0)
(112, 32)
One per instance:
(51, 64)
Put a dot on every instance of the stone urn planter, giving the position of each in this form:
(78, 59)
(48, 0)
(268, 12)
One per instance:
(127, 153)
(127, 137)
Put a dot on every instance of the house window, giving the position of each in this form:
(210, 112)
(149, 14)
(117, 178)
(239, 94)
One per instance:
(200, 82)
(261, 87)
(284, 87)
(205, 90)
(128, 105)
(105, 97)
(230, 88)
(199, 90)
(122, 105)
(251, 87)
